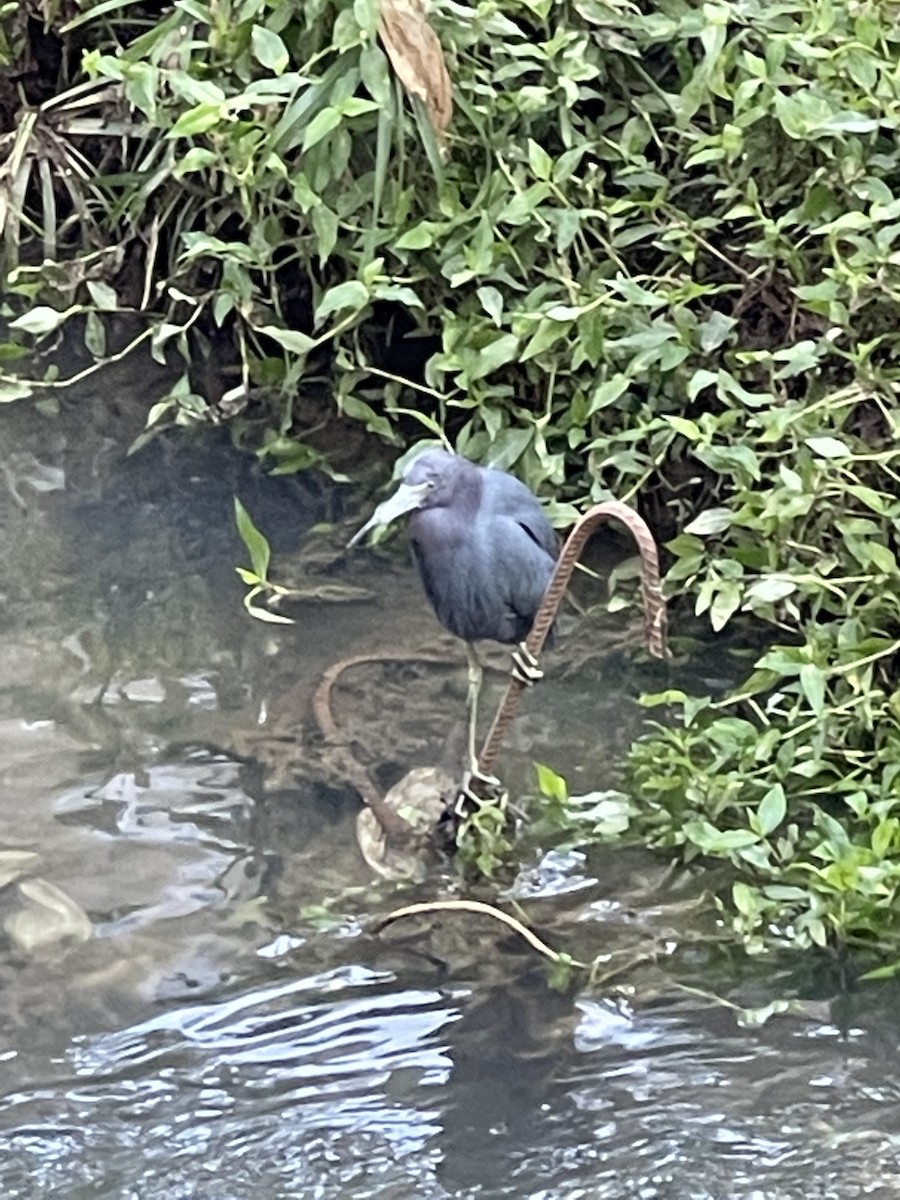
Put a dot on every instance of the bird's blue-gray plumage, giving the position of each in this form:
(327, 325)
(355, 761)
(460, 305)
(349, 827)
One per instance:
(484, 549)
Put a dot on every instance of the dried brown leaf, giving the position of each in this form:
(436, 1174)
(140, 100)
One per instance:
(416, 55)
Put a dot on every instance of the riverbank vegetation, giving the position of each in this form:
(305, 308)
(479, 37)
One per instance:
(654, 255)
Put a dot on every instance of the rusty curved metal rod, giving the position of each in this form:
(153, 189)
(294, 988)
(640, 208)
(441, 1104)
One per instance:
(651, 593)
(391, 822)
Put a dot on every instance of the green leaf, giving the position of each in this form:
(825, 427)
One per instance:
(746, 899)
(550, 784)
(888, 971)
(95, 335)
(420, 237)
(197, 120)
(290, 339)
(492, 302)
(817, 931)
(772, 810)
(713, 520)
(882, 557)
(320, 126)
(497, 353)
(196, 158)
(687, 429)
(568, 223)
(715, 330)
(608, 813)
(398, 294)
(718, 841)
(849, 222)
(357, 106)
(269, 50)
(366, 13)
(735, 459)
(699, 380)
(256, 544)
(351, 294)
(103, 295)
(783, 660)
(671, 696)
(812, 681)
(884, 836)
(725, 603)
(770, 589)
(828, 447)
(798, 359)
(359, 410)
(373, 67)
(196, 91)
(563, 312)
(547, 334)
(42, 319)
(325, 226)
(539, 160)
(607, 393)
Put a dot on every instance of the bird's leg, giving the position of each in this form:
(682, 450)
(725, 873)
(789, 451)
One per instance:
(525, 666)
(474, 781)
(475, 677)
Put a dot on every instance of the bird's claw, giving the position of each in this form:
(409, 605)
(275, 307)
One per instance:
(477, 788)
(525, 666)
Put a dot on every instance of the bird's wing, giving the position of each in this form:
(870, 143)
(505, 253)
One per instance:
(509, 497)
(521, 566)
(542, 534)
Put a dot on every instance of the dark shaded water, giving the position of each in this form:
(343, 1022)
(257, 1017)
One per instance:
(230, 1029)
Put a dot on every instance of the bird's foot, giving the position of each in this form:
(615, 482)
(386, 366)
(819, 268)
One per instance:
(525, 666)
(477, 788)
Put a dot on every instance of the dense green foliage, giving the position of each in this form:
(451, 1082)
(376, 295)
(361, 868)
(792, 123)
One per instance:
(660, 261)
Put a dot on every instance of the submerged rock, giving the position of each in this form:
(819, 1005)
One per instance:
(419, 799)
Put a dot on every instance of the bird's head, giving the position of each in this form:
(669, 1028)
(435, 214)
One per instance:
(427, 482)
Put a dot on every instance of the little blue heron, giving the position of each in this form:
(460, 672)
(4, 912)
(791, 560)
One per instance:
(485, 553)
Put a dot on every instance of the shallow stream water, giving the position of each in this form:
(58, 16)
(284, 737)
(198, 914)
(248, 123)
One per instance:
(193, 1002)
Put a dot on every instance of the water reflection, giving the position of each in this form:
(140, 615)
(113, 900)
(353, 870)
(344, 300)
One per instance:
(349, 1083)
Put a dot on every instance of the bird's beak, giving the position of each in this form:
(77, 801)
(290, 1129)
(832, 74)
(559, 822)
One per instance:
(405, 499)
